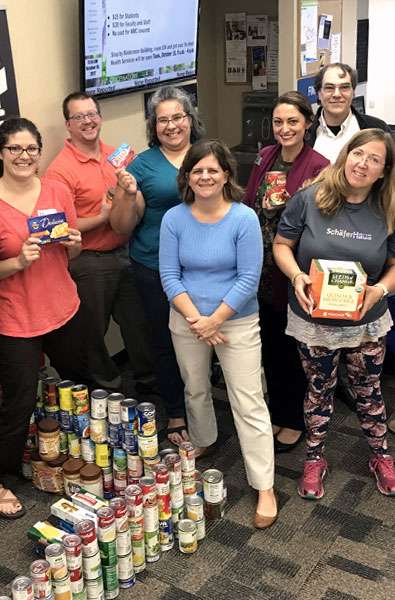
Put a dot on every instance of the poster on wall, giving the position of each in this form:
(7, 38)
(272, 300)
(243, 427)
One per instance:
(257, 26)
(8, 95)
(272, 54)
(235, 48)
(259, 67)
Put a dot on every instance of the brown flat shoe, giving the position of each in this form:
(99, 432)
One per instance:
(262, 522)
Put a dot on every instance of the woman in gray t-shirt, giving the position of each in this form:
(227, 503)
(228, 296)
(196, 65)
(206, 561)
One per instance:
(348, 214)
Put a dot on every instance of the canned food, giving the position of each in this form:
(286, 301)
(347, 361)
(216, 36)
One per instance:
(106, 531)
(98, 430)
(173, 464)
(134, 501)
(62, 588)
(74, 445)
(108, 553)
(81, 423)
(66, 420)
(95, 589)
(110, 581)
(151, 518)
(56, 556)
(186, 451)
(177, 514)
(124, 542)
(148, 488)
(120, 482)
(164, 507)
(212, 511)
(118, 505)
(129, 439)
(114, 408)
(148, 446)
(152, 545)
(150, 463)
(40, 573)
(91, 566)
(201, 529)
(188, 483)
(146, 419)
(88, 451)
(76, 577)
(108, 481)
(73, 547)
(194, 508)
(166, 534)
(164, 452)
(177, 495)
(87, 532)
(102, 458)
(119, 460)
(138, 554)
(134, 466)
(213, 486)
(80, 397)
(126, 571)
(22, 588)
(187, 536)
(99, 404)
(129, 412)
(52, 412)
(64, 394)
(115, 435)
(63, 443)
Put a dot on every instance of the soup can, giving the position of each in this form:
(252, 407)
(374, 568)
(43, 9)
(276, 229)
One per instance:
(114, 408)
(64, 394)
(98, 430)
(146, 419)
(99, 404)
(187, 536)
(40, 573)
(73, 548)
(213, 486)
(22, 588)
(80, 397)
(129, 412)
(56, 556)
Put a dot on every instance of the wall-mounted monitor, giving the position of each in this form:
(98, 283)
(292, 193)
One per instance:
(129, 45)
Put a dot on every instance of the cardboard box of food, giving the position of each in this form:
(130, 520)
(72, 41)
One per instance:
(49, 228)
(338, 289)
(71, 513)
(88, 501)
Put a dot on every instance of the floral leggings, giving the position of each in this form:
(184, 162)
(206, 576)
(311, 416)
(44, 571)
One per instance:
(364, 365)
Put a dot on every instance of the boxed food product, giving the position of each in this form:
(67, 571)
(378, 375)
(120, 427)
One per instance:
(71, 513)
(49, 228)
(121, 157)
(45, 533)
(338, 289)
(275, 188)
(88, 501)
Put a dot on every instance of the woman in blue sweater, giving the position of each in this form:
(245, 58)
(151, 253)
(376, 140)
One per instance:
(210, 260)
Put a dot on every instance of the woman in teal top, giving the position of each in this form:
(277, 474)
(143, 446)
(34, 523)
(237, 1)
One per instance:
(172, 126)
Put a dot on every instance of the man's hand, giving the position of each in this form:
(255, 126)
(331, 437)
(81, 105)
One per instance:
(126, 182)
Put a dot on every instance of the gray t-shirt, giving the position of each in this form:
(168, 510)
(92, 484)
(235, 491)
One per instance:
(356, 232)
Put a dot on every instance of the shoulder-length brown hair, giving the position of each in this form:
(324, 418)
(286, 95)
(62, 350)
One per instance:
(334, 188)
(199, 150)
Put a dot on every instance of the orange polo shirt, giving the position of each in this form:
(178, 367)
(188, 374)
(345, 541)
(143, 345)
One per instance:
(88, 179)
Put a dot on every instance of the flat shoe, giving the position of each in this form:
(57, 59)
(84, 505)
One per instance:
(282, 447)
(264, 522)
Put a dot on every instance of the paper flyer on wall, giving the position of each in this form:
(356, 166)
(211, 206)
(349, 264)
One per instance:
(8, 94)
(308, 32)
(257, 30)
(259, 67)
(272, 54)
(236, 48)
(324, 31)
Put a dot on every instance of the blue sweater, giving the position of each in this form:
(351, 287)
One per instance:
(212, 262)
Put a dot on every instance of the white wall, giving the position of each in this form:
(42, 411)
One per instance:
(381, 73)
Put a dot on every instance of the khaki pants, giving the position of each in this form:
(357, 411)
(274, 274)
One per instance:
(240, 361)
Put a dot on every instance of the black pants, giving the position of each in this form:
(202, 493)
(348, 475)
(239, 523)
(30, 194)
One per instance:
(19, 367)
(286, 381)
(106, 288)
(156, 307)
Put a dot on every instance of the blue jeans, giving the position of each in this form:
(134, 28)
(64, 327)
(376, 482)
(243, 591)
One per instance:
(157, 310)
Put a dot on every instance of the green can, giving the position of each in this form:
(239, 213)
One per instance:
(110, 581)
(108, 553)
(64, 444)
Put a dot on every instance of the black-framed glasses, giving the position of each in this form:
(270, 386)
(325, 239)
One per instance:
(79, 117)
(176, 119)
(17, 150)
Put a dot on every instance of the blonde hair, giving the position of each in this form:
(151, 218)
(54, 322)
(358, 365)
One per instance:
(334, 187)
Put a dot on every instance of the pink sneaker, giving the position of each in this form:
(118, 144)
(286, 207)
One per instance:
(382, 467)
(310, 485)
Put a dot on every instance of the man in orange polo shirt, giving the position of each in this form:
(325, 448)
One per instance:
(101, 272)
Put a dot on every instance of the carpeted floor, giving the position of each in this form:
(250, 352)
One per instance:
(340, 548)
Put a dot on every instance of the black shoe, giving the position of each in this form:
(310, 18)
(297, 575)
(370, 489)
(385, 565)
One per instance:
(282, 447)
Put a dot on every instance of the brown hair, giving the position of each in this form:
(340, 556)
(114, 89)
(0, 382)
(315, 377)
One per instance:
(344, 68)
(232, 191)
(299, 101)
(334, 187)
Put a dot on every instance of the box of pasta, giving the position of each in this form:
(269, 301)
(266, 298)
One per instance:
(337, 289)
(49, 228)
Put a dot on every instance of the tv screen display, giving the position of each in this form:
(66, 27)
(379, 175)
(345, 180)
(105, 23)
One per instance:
(129, 45)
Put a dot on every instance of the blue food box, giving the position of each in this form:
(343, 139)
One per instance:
(49, 228)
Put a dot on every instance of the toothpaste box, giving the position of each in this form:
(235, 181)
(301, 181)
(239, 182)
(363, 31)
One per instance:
(49, 228)
(338, 289)
(71, 513)
(121, 157)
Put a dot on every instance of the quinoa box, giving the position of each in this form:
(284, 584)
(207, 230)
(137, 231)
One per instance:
(49, 228)
(337, 289)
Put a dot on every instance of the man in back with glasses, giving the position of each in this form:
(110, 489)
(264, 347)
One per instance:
(337, 120)
(105, 286)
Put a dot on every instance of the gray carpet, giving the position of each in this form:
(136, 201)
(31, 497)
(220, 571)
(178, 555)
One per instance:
(340, 548)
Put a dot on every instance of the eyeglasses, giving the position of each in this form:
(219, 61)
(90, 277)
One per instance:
(343, 88)
(176, 119)
(91, 114)
(372, 160)
(17, 150)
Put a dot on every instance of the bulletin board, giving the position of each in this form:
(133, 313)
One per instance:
(318, 39)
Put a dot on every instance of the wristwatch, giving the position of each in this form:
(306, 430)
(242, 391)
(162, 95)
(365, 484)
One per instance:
(383, 287)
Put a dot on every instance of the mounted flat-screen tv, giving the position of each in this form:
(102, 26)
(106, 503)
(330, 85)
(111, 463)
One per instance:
(130, 45)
